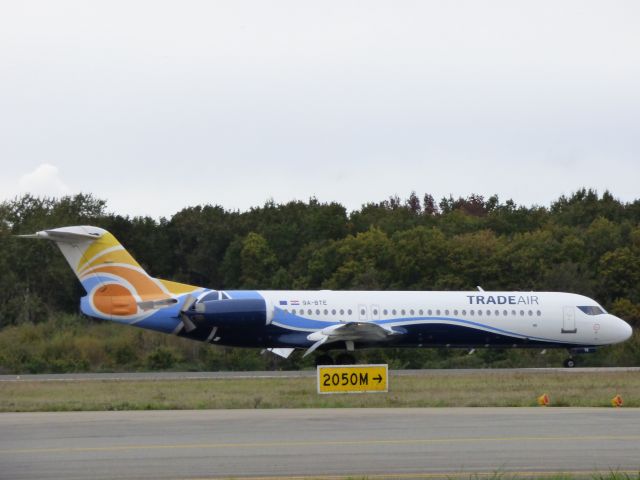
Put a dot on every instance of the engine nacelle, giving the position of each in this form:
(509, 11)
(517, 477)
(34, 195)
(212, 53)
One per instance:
(233, 312)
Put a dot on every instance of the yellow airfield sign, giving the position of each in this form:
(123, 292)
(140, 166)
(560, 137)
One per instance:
(352, 378)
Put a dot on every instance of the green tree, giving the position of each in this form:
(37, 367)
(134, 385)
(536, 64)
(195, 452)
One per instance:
(417, 256)
(471, 260)
(365, 262)
(258, 263)
(199, 237)
(620, 274)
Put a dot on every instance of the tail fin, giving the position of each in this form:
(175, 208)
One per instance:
(117, 286)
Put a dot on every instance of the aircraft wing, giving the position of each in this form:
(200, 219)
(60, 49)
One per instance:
(351, 331)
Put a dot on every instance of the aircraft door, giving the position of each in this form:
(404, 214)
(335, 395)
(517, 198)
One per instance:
(569, 320)
(362, 313)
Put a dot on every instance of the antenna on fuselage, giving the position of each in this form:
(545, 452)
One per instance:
(480, 289)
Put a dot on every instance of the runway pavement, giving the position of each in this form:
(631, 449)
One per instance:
(318, 443)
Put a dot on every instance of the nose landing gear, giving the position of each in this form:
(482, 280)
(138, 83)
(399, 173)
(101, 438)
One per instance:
(570, 362)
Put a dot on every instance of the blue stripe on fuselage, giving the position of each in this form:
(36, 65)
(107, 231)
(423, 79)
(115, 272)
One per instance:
(419, 320)
(295, 322)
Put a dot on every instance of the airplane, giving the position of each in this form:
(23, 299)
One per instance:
(281, 321)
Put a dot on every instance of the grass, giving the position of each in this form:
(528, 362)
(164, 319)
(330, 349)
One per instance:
(474, 389)
(612, 475)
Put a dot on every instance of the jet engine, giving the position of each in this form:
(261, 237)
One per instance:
(235, 312)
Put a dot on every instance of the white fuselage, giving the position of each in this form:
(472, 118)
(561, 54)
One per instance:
(552, 316)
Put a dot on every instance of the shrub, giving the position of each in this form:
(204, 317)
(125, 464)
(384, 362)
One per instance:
(161, 358)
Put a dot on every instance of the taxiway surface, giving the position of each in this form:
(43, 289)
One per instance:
(312, 443)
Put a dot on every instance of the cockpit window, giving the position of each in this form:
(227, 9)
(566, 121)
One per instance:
(592, 310)
(210, 296)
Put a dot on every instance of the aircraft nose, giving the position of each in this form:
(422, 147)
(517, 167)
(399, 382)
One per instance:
(624, 329)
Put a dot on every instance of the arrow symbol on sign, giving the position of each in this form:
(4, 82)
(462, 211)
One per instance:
(378, 378)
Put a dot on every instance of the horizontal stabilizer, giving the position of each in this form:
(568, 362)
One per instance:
(153, 304)
(68, 235)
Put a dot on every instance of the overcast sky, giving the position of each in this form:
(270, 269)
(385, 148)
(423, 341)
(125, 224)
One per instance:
(155, 105)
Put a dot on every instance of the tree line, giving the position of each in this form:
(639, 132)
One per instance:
(584, 243)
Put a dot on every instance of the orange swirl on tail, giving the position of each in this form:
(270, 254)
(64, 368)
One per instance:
(145, 286)
(113, 299)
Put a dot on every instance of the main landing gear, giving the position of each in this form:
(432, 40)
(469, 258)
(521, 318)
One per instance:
(341, 359)
(324, 359)
(345, 359)
(569, 362)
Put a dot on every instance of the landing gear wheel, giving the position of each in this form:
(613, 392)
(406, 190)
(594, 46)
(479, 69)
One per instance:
(324, 360)
(569, 363)
(345, 359)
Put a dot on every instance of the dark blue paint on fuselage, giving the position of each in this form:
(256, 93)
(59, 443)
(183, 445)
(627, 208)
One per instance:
(245, 312)
(232, 331)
